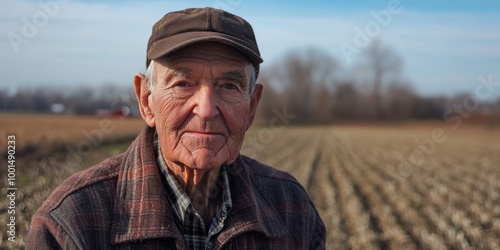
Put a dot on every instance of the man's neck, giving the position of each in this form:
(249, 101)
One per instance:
(199, 185)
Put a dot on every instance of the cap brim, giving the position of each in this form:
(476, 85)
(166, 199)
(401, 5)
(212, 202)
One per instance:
(175, 43)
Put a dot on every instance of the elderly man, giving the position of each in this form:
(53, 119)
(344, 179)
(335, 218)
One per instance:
(182, 184)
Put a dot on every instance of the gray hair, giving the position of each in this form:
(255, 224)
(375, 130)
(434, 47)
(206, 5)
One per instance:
(151, 77)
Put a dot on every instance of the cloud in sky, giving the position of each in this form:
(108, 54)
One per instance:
(445, 47)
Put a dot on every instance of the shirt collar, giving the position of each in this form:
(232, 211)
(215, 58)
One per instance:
(139, 201)
(180, 200)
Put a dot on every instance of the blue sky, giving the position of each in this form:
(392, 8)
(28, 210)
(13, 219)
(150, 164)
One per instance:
(445, 45)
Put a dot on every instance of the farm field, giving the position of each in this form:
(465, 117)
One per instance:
(376, 187)
(35, 133)
(49, 148)
(374, 190)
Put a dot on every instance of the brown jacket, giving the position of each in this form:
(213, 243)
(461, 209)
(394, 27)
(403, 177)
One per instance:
(121, 203)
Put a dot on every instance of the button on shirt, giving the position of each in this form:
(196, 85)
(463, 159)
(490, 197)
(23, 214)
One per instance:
(187, 219)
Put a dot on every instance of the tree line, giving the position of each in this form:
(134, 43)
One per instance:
(83, 100)
(316, 88)
(308, 83)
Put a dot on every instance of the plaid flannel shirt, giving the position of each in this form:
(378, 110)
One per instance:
(189, 222)
(121, 203)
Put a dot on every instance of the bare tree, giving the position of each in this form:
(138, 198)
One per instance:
(323, 104)
(399, 100)
(271, 98)
(346, 102)
(379, 64)
(298, 76)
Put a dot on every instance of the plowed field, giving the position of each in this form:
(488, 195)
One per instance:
(419, 187)
(396, 188)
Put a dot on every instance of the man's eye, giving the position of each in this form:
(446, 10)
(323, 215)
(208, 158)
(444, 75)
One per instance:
(182, 84)
(229, 86)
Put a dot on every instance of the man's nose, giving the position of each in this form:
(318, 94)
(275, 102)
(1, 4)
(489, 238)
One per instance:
(206, 106)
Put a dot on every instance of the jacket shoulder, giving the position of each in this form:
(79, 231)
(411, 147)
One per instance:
(274, 183)
(79, 202)
(281, 192)
(265, 172)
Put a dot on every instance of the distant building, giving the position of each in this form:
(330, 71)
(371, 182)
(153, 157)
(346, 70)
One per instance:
(57, 108)
(117, 112)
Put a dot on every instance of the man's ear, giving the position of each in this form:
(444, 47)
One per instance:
(254, 102)
(144, 99)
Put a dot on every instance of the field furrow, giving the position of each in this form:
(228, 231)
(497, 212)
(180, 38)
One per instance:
(354, 209)
(375, 187)
(390, 234)
(324, 190)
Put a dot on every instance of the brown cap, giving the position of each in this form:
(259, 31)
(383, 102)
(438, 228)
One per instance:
(177, 30)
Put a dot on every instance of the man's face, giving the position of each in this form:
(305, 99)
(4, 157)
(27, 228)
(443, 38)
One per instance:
(202, 106)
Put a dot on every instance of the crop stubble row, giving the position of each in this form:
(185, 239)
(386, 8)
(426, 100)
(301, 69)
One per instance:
(47, 152)
(368, 201)
(355, 179)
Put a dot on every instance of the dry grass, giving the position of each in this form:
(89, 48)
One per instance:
(363, 181)
(376, 188)
(49, 149)
(35, 132)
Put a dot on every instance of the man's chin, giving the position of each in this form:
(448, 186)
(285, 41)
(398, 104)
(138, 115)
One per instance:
(207, 160)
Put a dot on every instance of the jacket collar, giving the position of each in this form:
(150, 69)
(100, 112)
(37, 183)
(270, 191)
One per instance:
(142, 210)
(251, 211)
